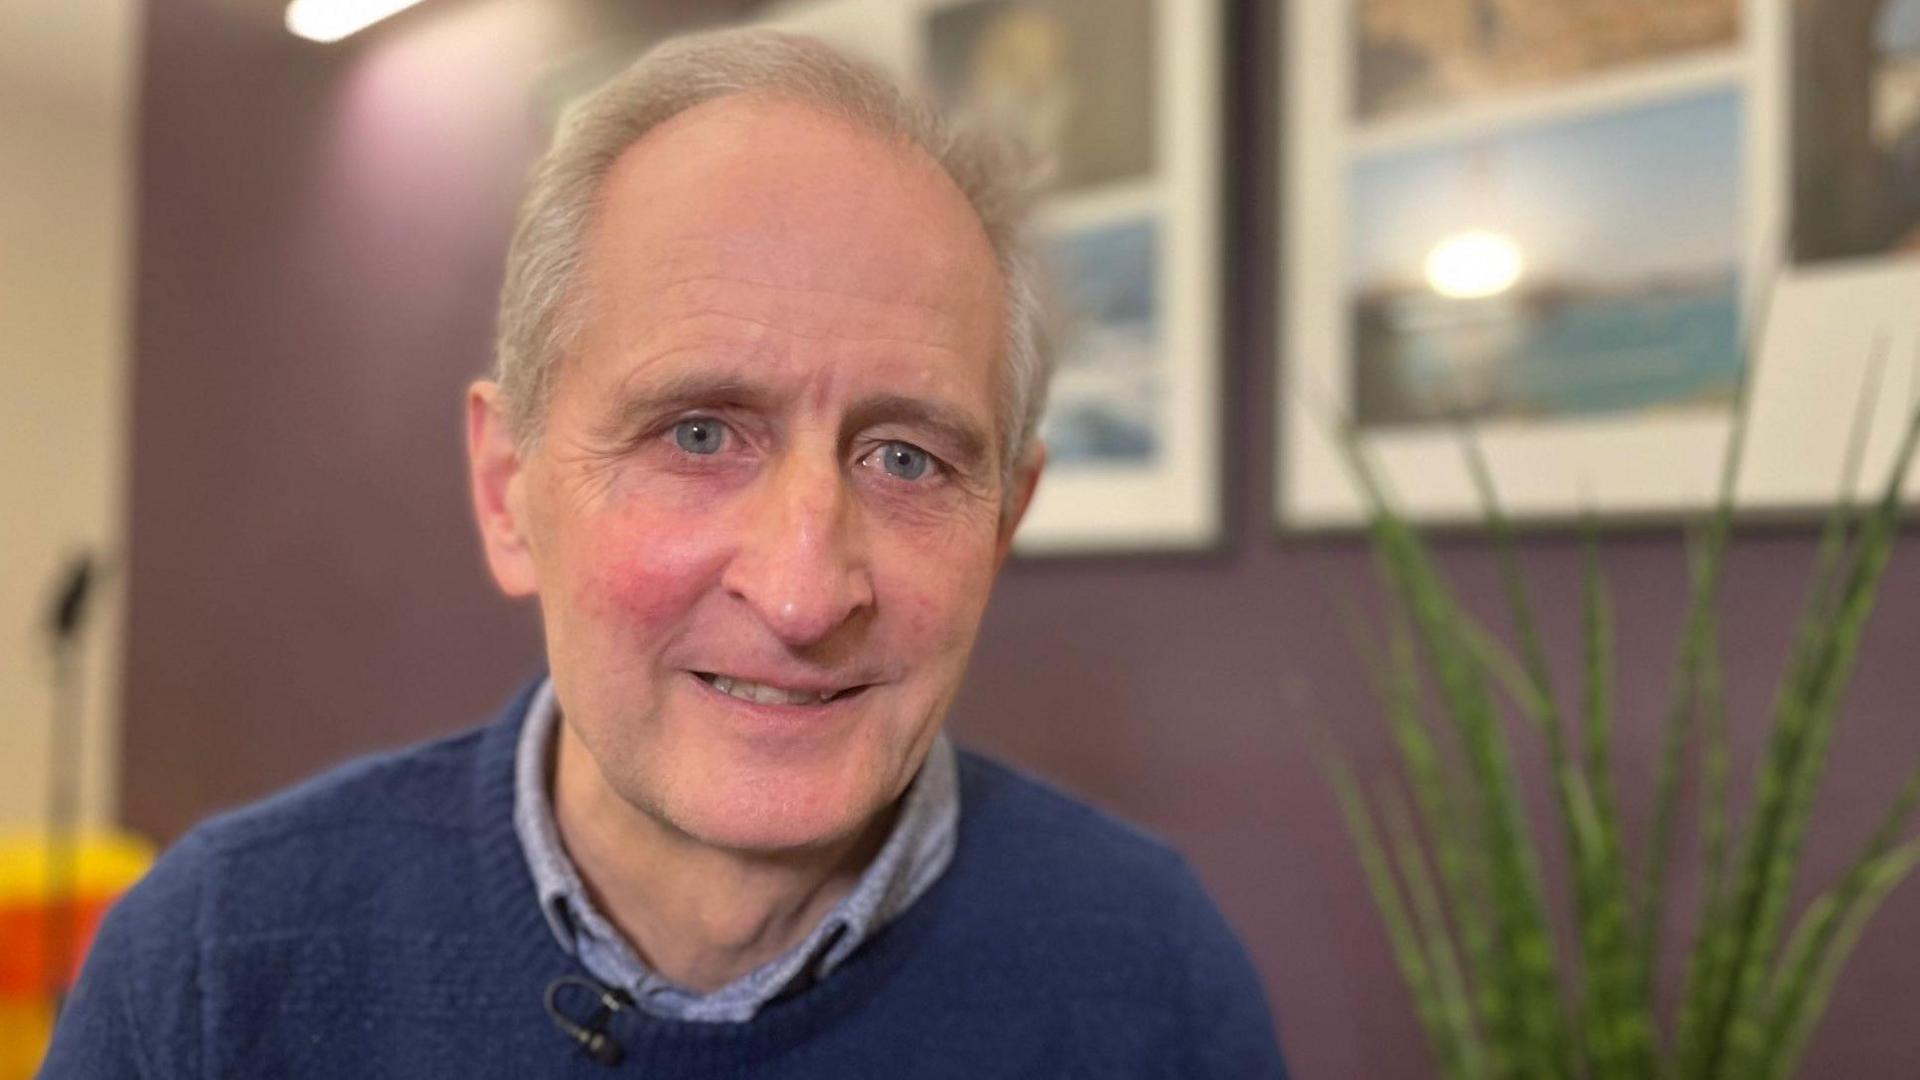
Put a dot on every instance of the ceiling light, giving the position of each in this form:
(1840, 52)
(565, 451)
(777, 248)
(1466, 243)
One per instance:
(331, 20)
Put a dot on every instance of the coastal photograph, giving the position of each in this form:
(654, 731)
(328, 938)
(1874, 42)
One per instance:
(1103, 406)
(1415, 55)
(1583, 267)
(1856, 129)
(1074, 78)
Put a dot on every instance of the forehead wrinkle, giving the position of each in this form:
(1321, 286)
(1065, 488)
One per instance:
(739, 369)
(740, 199)
(746, 352)
(773, 328)
(786, 308)
(694, 281)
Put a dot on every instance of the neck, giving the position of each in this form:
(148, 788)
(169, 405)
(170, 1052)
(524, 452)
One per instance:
(700, 916)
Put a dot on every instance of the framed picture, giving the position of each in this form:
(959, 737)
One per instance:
(1561, 224)
(1856, 129)
(1120, 96)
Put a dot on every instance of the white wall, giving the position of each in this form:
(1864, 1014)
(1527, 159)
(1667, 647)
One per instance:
(67, 134)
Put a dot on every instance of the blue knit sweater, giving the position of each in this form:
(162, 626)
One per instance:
(380, 921)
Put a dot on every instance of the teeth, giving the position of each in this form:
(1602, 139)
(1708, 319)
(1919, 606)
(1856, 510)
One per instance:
(766, 695)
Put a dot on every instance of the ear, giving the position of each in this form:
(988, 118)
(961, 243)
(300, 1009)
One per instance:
(1021, 484)
(497, 477)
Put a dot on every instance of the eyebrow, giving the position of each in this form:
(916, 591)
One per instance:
(691, 389)
(951, 424)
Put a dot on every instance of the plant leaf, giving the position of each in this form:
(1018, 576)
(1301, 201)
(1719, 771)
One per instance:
(1702, 601)
(1714, 945)
(1776, 1033)
(1616, 1025)
(1804, 721)
(1395, 677)
(1408, 953)
(1450, 988)
(1526, 1027)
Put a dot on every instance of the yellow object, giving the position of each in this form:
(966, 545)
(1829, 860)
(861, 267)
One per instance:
(103, 861)
(104, 865)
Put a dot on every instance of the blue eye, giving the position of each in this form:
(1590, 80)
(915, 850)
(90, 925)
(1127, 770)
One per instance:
(700, 435)
(904, 460)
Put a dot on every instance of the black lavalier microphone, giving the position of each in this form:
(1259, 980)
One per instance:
(591, 1036)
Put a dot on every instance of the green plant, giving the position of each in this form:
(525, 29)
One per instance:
(1455, 872)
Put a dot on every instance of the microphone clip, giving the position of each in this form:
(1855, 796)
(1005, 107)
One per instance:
(591, 1037)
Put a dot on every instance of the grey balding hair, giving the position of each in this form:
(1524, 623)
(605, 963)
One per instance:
(541, 302)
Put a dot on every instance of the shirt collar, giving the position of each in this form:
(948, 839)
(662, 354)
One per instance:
(913, 857)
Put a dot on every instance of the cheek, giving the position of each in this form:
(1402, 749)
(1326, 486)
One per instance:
(939, 595)
(643, 572)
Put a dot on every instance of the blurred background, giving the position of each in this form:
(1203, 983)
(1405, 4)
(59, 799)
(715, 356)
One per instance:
(244, 279)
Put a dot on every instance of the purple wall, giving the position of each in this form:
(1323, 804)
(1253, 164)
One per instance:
(321, 231)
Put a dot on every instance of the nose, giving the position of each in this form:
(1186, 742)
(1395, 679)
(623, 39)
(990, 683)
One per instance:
(801, 564)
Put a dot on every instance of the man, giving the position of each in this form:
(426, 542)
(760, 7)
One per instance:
(761, 432)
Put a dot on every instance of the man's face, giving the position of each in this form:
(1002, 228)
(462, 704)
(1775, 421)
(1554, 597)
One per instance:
(767, 506)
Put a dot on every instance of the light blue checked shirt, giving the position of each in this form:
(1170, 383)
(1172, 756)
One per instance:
(912, 859)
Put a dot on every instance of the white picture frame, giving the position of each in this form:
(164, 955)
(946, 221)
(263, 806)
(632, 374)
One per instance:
(1814, 325)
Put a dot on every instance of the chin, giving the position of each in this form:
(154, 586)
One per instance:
(772, 814)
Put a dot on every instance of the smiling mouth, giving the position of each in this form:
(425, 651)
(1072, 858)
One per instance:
(764, 694)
